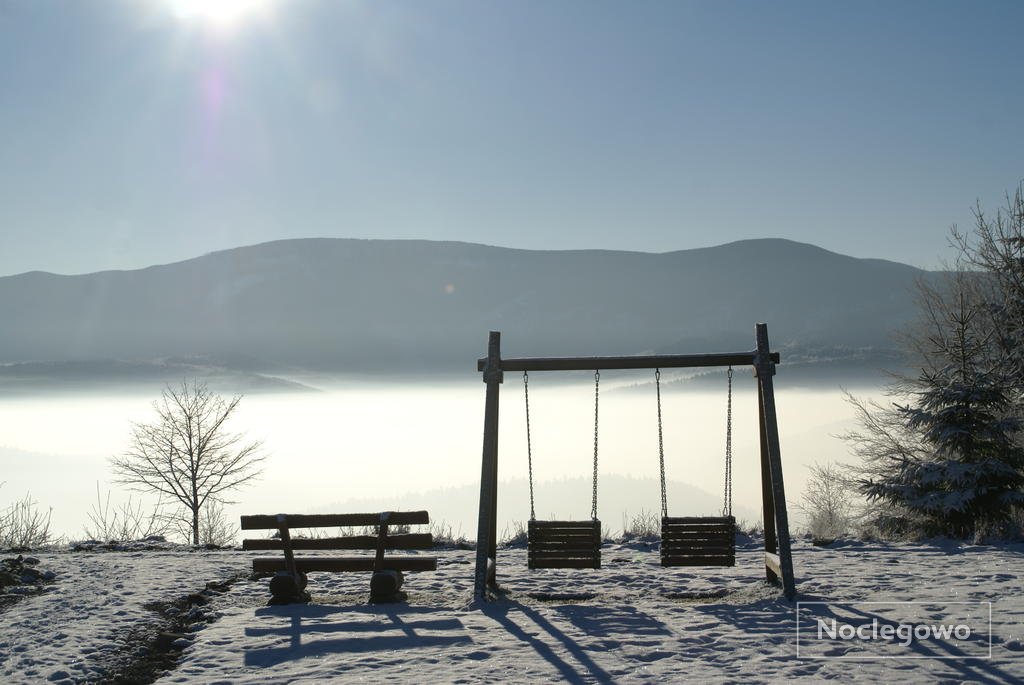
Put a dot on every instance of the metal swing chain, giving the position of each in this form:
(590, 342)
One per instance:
(597, 385)
(529, 447)
(661, 445)
(727, 506)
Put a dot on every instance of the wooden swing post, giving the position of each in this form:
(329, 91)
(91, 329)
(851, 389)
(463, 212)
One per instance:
(487, 533)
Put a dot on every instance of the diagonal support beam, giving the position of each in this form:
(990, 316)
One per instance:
(770, 443)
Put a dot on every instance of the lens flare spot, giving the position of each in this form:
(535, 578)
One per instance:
(218, 13)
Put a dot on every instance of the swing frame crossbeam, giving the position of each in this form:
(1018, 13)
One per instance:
(662, 361)
(778, 557)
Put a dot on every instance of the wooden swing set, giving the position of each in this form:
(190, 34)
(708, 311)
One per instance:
(685, 541)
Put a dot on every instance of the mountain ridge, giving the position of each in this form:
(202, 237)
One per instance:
(423, 241)
(359, 304)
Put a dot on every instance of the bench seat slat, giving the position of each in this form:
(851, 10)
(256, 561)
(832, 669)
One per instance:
(396, 518)
(405, 541)
(364, 563)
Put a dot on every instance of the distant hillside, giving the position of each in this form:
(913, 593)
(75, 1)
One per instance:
(33, 377)
(337, 304)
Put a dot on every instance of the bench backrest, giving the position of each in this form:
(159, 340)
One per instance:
(285, 523)
(395, 518)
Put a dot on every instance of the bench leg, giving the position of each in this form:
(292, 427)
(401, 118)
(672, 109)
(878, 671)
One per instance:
(288, 589)
(385, 586)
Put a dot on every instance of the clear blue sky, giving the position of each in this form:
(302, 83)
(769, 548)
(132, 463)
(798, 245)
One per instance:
(135, 132)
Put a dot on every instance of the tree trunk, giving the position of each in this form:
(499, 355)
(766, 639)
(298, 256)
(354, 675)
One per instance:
(195, 510)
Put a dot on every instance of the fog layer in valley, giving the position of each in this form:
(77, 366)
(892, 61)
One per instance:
(379, 445)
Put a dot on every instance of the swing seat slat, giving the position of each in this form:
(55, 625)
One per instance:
(591, 560)
(718, 560)
(580, 545)
(564, 544)
(697, 523)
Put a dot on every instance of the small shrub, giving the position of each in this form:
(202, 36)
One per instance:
(645, 525)
(445, 538)
(312, 533)
(215, 529)
(128, 522)
(374, 530)
(24, 527)
(750, 528)
(518, 536)
(827, 503)
(400, 529)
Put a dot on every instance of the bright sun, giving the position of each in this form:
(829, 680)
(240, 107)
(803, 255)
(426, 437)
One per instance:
(220, 13)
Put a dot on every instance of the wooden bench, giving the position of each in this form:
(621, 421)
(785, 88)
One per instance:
(289, 585)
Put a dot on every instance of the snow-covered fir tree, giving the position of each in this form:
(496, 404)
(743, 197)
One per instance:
(971, 474)
(948, 460)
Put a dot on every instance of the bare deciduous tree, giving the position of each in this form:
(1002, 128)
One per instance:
(187, 453)
(995, 251)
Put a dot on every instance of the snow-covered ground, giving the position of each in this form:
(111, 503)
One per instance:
(630, 621)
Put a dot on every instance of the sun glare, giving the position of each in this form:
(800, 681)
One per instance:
(219, 13)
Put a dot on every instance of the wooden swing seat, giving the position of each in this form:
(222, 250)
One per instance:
(564, 544)
(698, 541)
